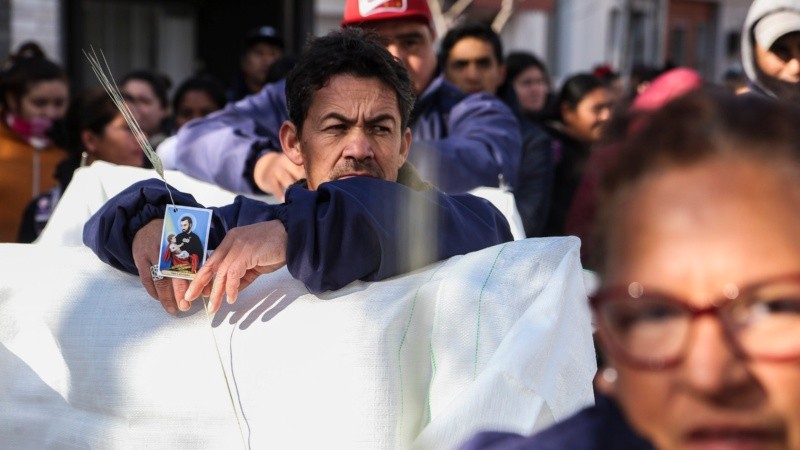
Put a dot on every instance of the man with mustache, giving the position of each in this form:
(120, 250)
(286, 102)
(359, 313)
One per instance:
(358, 215)
(460, 141)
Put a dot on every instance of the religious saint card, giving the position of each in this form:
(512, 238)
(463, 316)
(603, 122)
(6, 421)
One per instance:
(184, 240)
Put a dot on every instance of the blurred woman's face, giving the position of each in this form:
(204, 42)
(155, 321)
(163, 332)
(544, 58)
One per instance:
(149, 111)
(194, 104)
(116, 145)
(531, 89)
(585, 122)
(698, 234)
(44, 100)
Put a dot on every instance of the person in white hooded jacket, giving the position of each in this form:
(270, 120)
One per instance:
(771, 48)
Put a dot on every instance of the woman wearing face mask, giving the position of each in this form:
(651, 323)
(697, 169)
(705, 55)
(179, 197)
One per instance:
(583, 108)
(95, 131)
(33, 94)
(699, 305)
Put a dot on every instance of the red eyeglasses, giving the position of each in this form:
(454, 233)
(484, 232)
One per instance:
(652, 330)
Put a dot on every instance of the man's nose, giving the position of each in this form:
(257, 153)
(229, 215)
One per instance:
(472, 73)
(713, 369)
(358, 145)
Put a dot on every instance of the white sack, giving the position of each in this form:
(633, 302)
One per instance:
(497, 339)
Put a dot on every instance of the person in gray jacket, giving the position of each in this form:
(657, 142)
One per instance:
(771, 48)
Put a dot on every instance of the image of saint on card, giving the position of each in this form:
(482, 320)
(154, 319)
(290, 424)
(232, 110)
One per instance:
(184, 240)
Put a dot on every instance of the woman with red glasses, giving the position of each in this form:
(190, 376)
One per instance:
(699, 307)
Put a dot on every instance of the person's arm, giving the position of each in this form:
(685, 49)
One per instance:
(483, 141)
(223, 147)
(353, 229)
(369, 229)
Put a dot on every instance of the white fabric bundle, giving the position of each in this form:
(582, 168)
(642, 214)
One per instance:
(497, 339)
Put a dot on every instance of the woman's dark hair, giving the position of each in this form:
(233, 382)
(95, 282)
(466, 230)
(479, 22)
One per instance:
(91, 110)
(160, 84)
(518, 62)
(27, 68)
(349, 51)
(574, 89)
(204, 82)
(697, 127)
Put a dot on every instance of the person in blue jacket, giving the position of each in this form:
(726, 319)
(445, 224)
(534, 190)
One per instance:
(460, 141)
(359, 215)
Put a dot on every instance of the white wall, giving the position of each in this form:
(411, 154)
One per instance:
(40, 21)
(527, 31)
(581, 35)
(731, 19)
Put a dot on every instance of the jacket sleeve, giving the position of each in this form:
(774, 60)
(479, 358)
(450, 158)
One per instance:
(369, 229)
(217, 148)
(110, 231)
(353, 229)
(483, 141)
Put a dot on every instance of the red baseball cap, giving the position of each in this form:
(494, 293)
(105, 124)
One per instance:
(357, 12)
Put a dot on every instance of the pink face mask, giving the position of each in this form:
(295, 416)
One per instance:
(33, 130)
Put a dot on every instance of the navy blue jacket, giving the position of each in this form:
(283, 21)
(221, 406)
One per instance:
(346, 230)
(460, 141)
(600, 427)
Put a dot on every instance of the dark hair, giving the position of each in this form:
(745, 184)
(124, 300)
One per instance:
(91, 110)
(160, 84)
(28, 49)
(697, 127)
(475, 30)
(518, 62)
(348, 51)
(186, 218)
(204, 82)
(23, 73)
(574, 89)
(280, 68)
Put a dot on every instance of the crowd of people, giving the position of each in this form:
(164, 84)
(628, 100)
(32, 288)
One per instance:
(682, 192)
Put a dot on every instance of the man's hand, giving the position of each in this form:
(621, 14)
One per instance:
(244, 254)
(146, 249)
(274, 173)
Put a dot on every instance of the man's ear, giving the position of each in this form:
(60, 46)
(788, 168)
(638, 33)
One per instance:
(405, 145)
(503, 72)
(290, 142)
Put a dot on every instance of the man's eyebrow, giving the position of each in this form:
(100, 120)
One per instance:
(469, 60)
(337, 116)
(370, 120)
(409, 35)
(380, 118)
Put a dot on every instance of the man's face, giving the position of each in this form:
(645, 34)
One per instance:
(472, 66)
(185, 226)
(412, 43)
(781, 65)
(352, 128)
(258, 59)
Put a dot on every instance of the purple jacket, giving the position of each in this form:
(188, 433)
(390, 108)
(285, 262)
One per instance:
(459, 141)
(346, 230)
